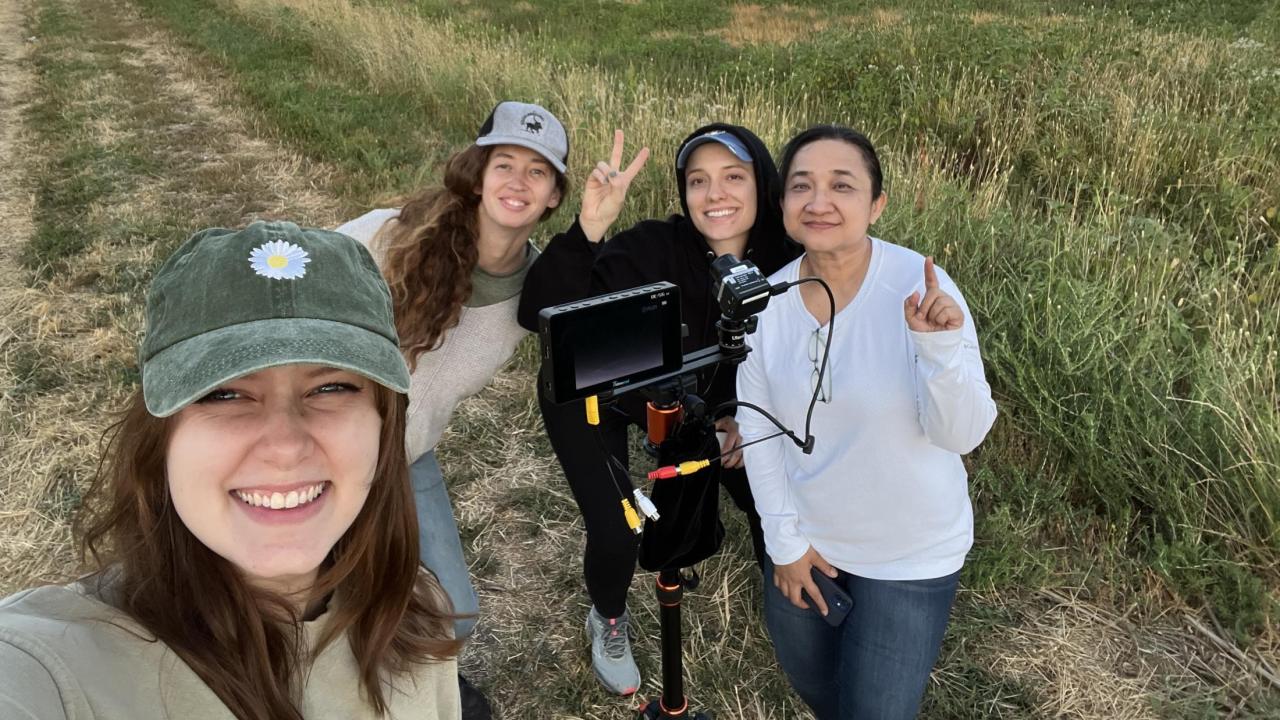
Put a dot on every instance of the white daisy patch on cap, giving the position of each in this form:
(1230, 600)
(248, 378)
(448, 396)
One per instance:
(279, 260)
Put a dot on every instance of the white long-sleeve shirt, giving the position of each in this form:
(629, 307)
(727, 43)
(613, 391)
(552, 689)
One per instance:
(884, 494)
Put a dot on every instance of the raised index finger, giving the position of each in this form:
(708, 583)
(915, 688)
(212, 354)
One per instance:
(930, 275)
(615, 159)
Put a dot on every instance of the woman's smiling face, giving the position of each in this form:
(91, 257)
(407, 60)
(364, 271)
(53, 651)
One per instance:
(269, 470)
(827, 202)
(518, 187)
(720, 191)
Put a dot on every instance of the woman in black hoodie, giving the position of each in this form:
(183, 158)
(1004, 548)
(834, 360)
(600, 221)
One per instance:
(729, 191)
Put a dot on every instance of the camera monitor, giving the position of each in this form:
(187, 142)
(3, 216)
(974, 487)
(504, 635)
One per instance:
(594, 345)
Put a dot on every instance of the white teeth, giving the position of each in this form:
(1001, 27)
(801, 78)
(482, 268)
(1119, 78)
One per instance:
(720, 213)
(281, 501)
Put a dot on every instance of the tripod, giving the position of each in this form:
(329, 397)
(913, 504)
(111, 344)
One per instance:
(670, 431)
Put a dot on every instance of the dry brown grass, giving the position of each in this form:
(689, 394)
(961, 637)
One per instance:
(62, 337)
(1075, 657)
(886, 17)
(776, 25)
(784, 25)
(1102, 663)
(28, 540)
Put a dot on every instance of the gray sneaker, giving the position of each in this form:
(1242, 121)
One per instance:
(611, 653)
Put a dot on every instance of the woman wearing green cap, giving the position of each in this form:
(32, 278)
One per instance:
(251, 531)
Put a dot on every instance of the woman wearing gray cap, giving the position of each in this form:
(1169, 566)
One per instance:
(251, 528)
(456, 256)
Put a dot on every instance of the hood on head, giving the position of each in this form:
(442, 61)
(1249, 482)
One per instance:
(767, 245)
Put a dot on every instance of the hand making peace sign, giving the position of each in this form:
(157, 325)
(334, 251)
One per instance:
(606, 190)
(937, 311)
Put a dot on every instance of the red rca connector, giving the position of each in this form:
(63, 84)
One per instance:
(685, 468)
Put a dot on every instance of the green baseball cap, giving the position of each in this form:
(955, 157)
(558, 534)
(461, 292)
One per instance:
(231, 302)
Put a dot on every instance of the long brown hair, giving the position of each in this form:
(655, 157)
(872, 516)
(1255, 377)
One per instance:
(429, 251)
(244, 642)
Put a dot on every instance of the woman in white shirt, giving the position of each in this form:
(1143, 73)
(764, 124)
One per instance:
(881, 505)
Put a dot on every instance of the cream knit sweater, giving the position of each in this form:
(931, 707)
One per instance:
(469, 355)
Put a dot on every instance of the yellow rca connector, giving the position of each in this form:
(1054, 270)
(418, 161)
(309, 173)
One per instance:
(593, 410)
(685, 468)
(633, 520)
(692, 466)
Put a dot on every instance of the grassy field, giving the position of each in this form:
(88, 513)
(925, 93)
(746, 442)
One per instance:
(1102, 182)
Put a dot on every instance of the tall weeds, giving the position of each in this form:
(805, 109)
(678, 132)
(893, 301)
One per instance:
(1105, 195)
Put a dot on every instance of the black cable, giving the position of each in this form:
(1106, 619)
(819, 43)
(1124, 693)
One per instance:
(826, 352)
(609, 461)
(807, 444)
(612, 461)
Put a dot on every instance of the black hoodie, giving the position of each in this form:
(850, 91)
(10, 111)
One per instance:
(572, 267)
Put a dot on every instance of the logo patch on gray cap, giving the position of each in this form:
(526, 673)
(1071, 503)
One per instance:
(532, 123)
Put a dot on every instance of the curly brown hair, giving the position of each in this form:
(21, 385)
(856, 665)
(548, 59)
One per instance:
(243, 642)
(429, 251)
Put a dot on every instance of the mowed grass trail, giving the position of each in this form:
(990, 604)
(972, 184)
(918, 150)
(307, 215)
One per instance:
(1102, 183)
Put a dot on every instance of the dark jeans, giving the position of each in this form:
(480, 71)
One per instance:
(609, 561)
(875, 665)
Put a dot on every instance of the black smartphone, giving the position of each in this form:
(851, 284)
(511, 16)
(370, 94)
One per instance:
(838, 601)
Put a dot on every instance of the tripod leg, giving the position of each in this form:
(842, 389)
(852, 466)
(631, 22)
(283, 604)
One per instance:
(670, 590)
(672, 705)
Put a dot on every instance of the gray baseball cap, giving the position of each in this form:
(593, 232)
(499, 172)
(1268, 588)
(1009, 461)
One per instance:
(526, 125)
(231, 302)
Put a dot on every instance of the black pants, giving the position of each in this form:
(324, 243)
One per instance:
(610, 558)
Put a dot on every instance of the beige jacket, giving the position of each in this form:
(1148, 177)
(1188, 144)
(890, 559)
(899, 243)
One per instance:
(65, 655)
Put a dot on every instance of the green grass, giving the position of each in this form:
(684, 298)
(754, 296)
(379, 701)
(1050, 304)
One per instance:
(1059, 163)
(376, 138)
(1101, 179)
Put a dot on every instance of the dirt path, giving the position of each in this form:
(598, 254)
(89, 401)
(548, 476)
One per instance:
(15, 201)
(16, 228)
(116, 151)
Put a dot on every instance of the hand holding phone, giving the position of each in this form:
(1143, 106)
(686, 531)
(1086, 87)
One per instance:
(837, 600)
(805, 584)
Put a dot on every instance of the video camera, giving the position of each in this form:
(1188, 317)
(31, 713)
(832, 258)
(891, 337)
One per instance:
(623, 341)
